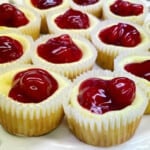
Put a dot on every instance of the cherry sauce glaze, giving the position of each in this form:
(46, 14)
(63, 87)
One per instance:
(12, 16)
(59, 50)
(121, 34)
(10, 49)
(126, 8)
(32, 86)
(100, 96)
(73, 19)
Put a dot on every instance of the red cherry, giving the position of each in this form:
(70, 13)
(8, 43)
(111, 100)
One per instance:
(33, 86)
(73, 19)
(11, 16)
(19, 19)
(125, 8)
(94, 99)
(45, 4)
(140, 69)
(6, 14)
(130, 38)
(137, 9)
(122, 91)
(93, 95)
(17, 94)
(96, 82)
(60, 49)
(10, 49)
(121, 8)
(114, 36)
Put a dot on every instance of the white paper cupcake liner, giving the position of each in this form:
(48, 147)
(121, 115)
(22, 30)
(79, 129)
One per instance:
(73, 69)
(139, 19)
(95, 9)
(109, 52)
(43, 12)
(34, 119)
(33, 27)
(146, 24)
(53, 28)
(109, 129)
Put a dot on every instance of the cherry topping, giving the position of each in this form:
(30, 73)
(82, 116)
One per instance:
(125, 8)
(100, 96)
(93, 95)
(121, 35)
(73, 19)
(122, 91)
(45, 4)
(85, 2)
(10, 49)
(11, 16)
(32, 86)
(140, 69)
(60, 49)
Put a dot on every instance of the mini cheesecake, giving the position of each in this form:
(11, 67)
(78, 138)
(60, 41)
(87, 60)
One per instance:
(63, 53)
(31, 100)
(14, 49)
(91, 6)
(112, 37)
(136, 64)
(127, 10)
(71, 21)
(100, 106)
(45, 7)
(19, 18)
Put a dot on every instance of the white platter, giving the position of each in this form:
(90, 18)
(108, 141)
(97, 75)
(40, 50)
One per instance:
(62, 139)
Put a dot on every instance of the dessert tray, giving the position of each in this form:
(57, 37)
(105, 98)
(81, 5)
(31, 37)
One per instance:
(62, 138)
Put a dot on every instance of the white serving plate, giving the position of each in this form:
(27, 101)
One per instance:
(62, 139)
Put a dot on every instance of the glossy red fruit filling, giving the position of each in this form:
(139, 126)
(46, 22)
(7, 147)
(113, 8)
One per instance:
(101, 96)
(85, 2)
(10, 49)
(10, 16)
(45, 4)
(59, 50)
(140, 69)
(126, 8)
(120, 34)
(32, 86)
(73, 19)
